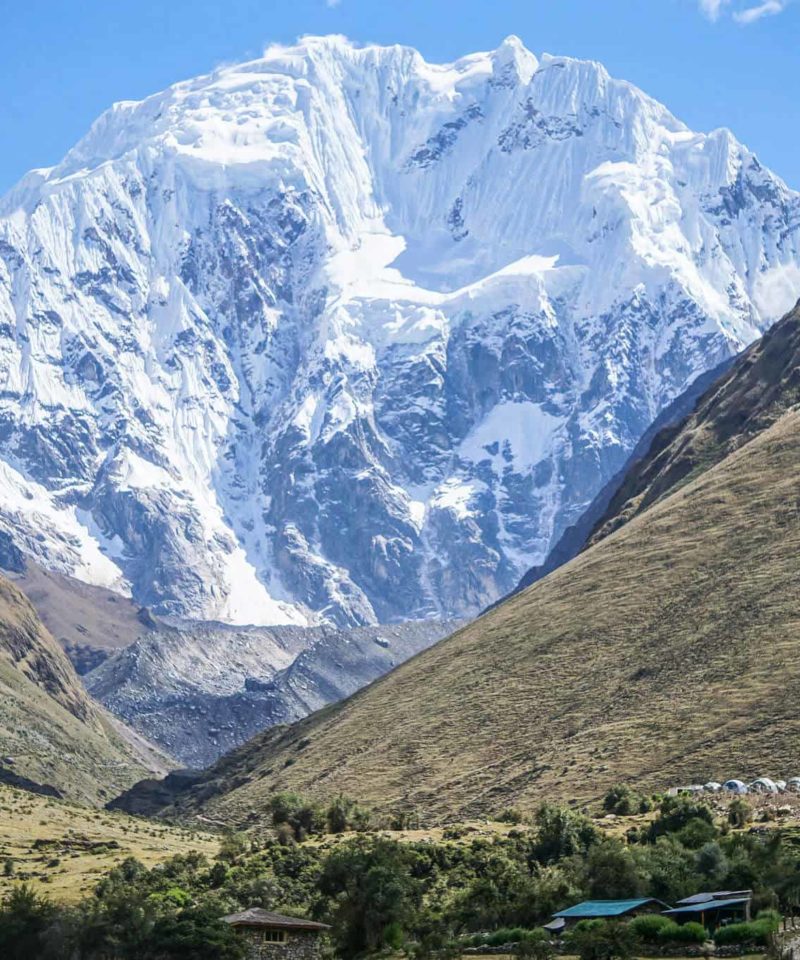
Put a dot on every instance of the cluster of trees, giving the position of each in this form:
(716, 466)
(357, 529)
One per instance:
(384, 893)
(296, 818)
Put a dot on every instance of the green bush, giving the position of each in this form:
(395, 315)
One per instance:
(602, 940)
(649, 927)
(770, 916)
(512, 935)
(692, 932)
(505, 935)
(655, 928)
(622, 801)
(756, 932)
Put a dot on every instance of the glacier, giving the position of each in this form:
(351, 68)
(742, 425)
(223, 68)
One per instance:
(341, 336)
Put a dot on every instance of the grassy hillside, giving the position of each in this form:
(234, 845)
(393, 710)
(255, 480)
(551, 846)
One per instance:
(62, 849)
(668, 652)
(50, 731)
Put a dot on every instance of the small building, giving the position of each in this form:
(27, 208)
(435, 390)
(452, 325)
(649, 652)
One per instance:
(270, 936)
(713, 909)
(605, 910)
(690, 790)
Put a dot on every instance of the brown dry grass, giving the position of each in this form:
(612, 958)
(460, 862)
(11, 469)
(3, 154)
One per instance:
(35, 832)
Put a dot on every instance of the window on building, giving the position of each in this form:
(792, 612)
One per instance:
(273, 936)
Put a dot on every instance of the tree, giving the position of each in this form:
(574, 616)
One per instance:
(621, 800)
(677, 813)
(338, 814)
(234, 845)
(194, 934)
(669, 869)
(710, 861)
(372, 894)
(25, 922)
(561, 833)
(552, 889)
(740, 813)
(603, 940)
(611, 873)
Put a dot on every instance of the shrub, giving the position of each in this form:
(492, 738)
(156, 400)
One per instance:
(511, 815)
(740, 813)
(692, 932)
(535, 949)
(602, 940)
(770, 916)
(757, 931)
(505, 935)
(621, 800)
(649, 926)
(512, 935)
(677, 813)
(654, 928)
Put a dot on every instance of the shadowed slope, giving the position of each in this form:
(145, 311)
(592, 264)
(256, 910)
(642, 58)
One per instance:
(668, 652)
(50, 731)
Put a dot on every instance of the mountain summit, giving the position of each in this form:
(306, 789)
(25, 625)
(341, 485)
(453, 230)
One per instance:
(342, 335)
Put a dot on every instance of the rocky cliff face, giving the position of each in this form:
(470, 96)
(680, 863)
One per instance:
(341, 335)
(760, 388)
(203, 690)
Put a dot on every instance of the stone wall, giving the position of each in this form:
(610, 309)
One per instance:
(298, 945)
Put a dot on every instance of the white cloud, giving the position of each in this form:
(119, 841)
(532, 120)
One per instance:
(767, 9)
(332, 3)
(713, 8)
(777, 291)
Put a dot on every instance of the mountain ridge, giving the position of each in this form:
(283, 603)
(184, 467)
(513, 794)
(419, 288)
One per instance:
(665, 653)
(298, 342)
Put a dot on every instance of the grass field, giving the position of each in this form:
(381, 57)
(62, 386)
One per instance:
(62, 849)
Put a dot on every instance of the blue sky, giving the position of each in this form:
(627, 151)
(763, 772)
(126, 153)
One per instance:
(713, 62)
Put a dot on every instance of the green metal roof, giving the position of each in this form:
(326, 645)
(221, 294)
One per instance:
(603, 908)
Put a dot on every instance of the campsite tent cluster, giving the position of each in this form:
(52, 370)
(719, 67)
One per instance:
(759, 785)
(712, 910)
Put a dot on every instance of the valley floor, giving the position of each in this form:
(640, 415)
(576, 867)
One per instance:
(62, 849)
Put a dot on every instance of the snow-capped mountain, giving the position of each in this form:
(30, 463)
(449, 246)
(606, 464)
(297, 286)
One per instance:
(340, 334)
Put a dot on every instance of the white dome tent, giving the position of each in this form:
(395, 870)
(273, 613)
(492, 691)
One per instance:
(735, 786)
(763, 785)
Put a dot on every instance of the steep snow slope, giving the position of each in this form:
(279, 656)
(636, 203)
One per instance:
(339, 334)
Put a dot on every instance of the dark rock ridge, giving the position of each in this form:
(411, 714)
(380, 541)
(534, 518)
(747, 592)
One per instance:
(575, 538)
